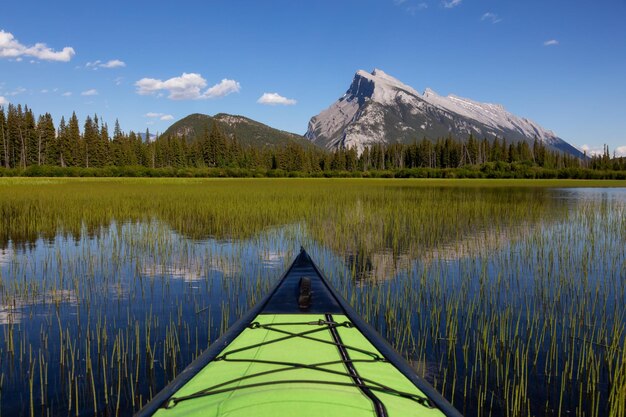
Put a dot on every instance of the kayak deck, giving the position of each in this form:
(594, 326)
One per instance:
(301, 351)
(299, 364)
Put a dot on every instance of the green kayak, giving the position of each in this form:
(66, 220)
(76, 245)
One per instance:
(301, 351)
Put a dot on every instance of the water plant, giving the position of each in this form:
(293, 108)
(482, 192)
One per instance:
(509, 297)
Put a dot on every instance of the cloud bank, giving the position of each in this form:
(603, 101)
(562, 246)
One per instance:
(189, 86)
(12, 48)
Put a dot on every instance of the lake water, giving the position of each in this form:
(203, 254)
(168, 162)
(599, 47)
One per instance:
(509, 300)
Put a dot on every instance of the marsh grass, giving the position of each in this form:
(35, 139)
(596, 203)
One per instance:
(509, 297)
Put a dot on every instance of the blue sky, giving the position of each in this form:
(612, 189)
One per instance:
(560, 63)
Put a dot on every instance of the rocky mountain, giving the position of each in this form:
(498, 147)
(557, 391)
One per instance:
(378, 108)
(248, 132)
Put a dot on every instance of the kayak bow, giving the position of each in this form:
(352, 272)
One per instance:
(301, 351)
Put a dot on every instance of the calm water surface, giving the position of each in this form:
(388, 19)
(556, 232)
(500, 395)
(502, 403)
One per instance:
(518, 316)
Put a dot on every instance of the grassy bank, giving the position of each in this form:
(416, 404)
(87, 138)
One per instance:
(492, 170)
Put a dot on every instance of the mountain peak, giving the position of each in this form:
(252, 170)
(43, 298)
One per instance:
(378, 85)
(378, 108)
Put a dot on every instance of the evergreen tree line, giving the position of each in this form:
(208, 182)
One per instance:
(27, 141)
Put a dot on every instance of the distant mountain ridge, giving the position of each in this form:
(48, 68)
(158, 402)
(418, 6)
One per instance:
(378, 108)
(248, 132)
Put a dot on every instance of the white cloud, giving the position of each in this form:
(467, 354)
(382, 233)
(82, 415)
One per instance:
(491, 17)
(448, 4)
(113, 63)
(67, 94)
(160, 116)
(92, 92)
(620, 151)
(12, 48)
(188, 86)
(118, 80)
(44, 91)
(551, 42)
(274, 99)
(223, 88)
(3, 101)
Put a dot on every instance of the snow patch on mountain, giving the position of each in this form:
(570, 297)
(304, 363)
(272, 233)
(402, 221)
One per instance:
(378, 108)
(492, 115)
(386, 87)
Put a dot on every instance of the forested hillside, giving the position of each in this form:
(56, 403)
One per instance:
(28, 141)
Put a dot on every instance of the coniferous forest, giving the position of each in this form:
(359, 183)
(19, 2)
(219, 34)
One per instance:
(35, 146)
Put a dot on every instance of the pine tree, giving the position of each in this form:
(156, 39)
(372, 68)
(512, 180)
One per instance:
(206, 148)
(472, 150)
(74, 142)
(100, 146)
(65, 154)
(116, 147)
(512, 155)
(236, 152)
(140, 150)
(31, 139)
(105, 145)
(4, 140)
(352, 159)
(128, 149)
(47, 146)
(218, 145)
(117, 131)
(14, 136)
(365, 160)
(177, 152)
(90, 140)
(338, 162)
